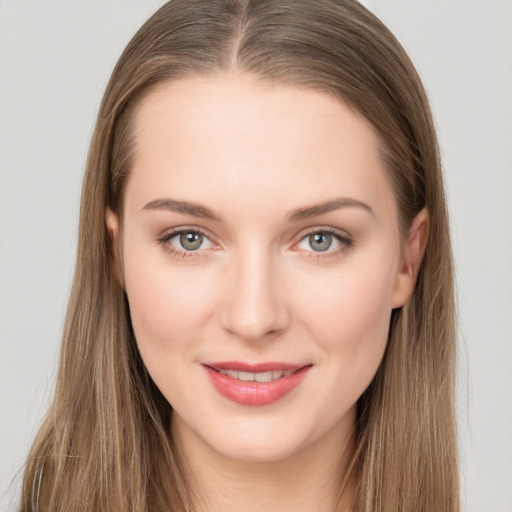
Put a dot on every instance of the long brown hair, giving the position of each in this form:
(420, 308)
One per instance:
(105, 444)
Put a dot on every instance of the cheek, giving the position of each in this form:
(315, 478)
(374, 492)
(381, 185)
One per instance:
(169, 311)
(168, 308)
(349, 318)
(350, 302)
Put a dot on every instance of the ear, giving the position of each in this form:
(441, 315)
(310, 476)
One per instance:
(412, 255)
(112, 222)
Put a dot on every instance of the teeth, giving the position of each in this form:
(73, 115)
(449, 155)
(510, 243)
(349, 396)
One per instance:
(258, 377)
(263, 377)
(230, 373)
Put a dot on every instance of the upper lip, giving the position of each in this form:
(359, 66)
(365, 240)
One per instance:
(254, 367)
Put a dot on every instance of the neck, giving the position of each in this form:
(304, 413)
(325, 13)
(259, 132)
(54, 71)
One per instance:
(308, 480)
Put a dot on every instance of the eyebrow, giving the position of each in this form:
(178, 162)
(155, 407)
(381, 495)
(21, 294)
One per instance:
(198, 210)
(173, 205)
(327, 206)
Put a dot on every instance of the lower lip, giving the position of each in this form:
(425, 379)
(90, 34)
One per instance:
(252, 392)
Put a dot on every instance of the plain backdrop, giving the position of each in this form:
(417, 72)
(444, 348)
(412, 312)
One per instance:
(55, 60)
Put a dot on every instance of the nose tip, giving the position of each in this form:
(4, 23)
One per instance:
(249, 331)
(255, 307)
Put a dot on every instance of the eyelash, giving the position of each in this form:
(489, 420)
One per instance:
(345, 241)
(167, 237)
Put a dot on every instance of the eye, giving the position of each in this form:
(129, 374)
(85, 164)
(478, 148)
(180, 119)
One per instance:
(324, 241)
(185, 240)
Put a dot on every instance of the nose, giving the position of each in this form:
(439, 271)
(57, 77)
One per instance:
(255, 300)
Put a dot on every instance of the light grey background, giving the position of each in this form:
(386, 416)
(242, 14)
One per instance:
(55, 59)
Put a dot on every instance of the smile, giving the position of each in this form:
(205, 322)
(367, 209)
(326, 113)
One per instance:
(265, 384)
(258, 377)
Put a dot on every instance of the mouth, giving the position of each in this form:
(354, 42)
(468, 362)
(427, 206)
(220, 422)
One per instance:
(255, 384)
(258, 377)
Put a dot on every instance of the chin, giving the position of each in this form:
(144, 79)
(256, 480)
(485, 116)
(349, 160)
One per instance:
(257, 441)
(257, 450)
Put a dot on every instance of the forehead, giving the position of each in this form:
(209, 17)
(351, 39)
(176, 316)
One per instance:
(232, 137)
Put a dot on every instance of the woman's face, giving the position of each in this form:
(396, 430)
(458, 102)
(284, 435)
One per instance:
(261, 259)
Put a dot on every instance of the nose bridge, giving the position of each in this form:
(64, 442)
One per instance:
(255, 305)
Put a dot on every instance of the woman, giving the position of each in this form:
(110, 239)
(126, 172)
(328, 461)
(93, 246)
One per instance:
(262, 311)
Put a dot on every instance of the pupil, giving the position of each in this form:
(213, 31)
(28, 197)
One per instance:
(320, 241)
(191, 241)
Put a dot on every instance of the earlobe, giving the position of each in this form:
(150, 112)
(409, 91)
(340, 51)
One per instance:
(112, 222)
(412, 255)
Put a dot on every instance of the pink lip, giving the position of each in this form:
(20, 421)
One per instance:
(252, 392)
(254, 367)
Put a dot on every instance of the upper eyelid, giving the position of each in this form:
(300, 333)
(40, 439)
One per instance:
(170, 233)
(325, 229)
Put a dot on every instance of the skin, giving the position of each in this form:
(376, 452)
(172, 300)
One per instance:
(257, 290)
